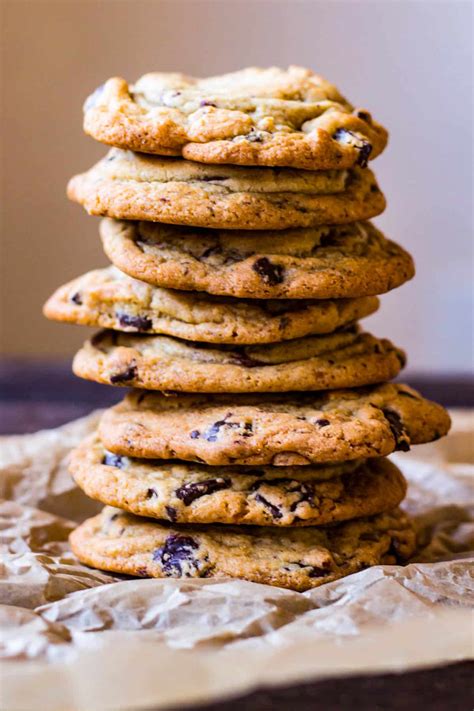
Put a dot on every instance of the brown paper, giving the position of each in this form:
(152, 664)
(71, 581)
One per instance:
(75, 638)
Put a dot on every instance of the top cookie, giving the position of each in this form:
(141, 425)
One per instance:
(270, 117)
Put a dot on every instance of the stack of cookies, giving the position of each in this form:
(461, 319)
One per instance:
(254, 441)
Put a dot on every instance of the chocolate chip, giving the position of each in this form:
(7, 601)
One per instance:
(274, 510)
(195, 434)
(212, 433)
(397, 428)
(271, 274)
(322, 422)
(207, 103)
(306, 493)
(176, 551)
(190, 492)
(364, 116)
(142, 572)
(344, 136)
(141, 323)
(248, 430)
(172, 513)
(151, 493)
(113, 460)
(76, 298)
(209, 178)
(125, 376)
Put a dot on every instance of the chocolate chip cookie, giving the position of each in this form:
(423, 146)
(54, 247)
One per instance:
(134, 186)
(110, 299)
(294, 558)
(255, 116)
(282, 430)
(271, 496)
(329, 262)
(345, 358)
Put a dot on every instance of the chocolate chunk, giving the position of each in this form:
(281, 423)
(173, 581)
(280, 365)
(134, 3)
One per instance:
(190, 492)
(322, 422)
(113, 460)
(172, 513)
(76, 298)
(397, 428)
(274, 510)
(125, 376)
(344, 136)
(141, 323)
(271, 274)
(195, 434)
(176, 551)
(151, 493)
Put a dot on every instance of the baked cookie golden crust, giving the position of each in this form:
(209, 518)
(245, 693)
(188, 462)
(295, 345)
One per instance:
(345, 358)
(108, 298)
(328, 262)
(267, 117)
(273, 496)
(282, 430)
(133, 186)
(294, 558)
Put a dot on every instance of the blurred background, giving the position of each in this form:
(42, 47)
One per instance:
(408, 62)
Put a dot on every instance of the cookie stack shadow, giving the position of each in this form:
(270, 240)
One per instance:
(254, 442)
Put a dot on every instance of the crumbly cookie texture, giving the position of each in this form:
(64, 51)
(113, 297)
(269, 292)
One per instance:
(294, 558)
(345, 358)
(108, 298)
(282, 430)
(194, 493)
(326, 262)
(281, 117)
(134, 186)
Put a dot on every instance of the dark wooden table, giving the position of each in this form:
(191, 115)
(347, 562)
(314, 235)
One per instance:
(37, 395)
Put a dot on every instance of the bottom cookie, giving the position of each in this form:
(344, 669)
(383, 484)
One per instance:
(297, 559)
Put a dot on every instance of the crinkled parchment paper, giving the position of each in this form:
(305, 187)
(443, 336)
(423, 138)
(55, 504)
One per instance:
(72, 638)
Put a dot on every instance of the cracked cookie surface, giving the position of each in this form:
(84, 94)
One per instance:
(326, 262)
(346, 358)
(134, 186)
(282, 430)
(107, 298)
(268, 117)
(294, 558)
(181, 492)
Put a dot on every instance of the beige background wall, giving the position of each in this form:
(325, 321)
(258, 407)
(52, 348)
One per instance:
(408, 62)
